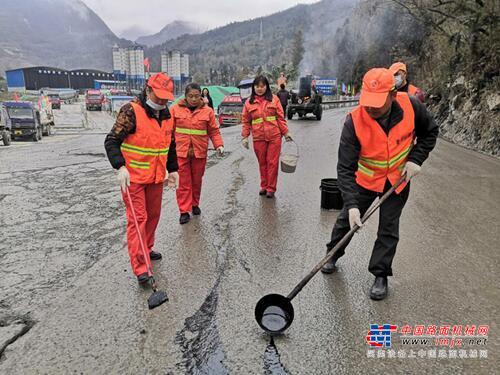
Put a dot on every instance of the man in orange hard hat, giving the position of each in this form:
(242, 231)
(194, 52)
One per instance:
(390, 134)
(141, 147)
(401, 76)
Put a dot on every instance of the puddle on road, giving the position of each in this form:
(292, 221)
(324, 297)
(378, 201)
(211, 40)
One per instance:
(272, 361)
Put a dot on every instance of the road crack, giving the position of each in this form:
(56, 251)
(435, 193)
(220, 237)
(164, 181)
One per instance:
(27, 323)
(202, 350)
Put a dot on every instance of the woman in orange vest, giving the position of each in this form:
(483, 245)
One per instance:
(263, 117)
(194, 125)
(141, 146)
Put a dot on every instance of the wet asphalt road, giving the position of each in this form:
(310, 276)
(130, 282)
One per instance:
(69, 302)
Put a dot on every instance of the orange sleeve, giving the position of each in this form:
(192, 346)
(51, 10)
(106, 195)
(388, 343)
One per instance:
(214, 131)
(282, 124)
(172, 116)
(246, 122)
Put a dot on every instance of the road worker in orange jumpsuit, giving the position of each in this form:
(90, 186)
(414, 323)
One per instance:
(390, 134)
(398, 69)
(141, 146)
(194, 125)
(264, 119)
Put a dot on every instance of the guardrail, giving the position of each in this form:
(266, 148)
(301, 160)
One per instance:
(328, 104)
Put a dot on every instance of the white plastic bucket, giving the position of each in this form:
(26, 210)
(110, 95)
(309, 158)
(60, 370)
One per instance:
(289, 159)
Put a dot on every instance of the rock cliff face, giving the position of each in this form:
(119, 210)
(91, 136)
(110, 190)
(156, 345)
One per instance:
(452, 51)
(470, 117)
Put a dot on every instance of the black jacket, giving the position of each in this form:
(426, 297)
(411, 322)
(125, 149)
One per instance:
(126, 124)
(426, 131)
(283, 95)
(210, 102)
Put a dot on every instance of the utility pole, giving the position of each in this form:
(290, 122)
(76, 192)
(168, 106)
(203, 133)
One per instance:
(261, 33)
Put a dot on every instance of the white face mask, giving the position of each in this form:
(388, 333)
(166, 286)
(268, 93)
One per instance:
(156, 107)
(399, 81)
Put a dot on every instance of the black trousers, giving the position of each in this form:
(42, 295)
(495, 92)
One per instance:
(388, 228)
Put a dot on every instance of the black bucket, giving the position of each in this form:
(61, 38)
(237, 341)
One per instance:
(331, 198)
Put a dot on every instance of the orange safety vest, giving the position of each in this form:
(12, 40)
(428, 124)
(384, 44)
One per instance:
(412, 90)
(146, 150)
(383, 156)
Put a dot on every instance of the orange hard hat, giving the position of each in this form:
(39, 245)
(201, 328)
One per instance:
(162, 86)
(377, 84)
(397, 66)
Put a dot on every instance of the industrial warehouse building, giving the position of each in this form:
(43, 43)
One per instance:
(38, 77)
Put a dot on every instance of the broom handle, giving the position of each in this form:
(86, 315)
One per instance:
(344, 239)
(136, 222)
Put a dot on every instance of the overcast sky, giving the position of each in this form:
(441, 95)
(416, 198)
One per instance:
(150, 16)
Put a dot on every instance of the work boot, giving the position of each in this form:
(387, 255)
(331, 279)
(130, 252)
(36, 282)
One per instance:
(262, 192)
(154, 255)
(143, 278)
(330, 266)
(270, 194)
(379, 288)
(184, 219)
(196, 210)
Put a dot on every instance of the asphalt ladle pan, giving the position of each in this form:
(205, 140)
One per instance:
(274, 312)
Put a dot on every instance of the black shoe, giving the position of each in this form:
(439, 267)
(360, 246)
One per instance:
(196, 210)
(143, 278)
(270, 194)
(262, 192)
(154, 255)
(184, 219)
(379, 288)
(330, 267)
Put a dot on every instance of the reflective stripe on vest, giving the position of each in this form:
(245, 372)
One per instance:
(383, 156)
(191, 131)
(139, 164)
(143, 150)
(384, 164)
(261, 120)
(365, 170)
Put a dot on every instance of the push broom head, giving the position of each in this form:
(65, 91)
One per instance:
(156, 299)
(159, 297)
